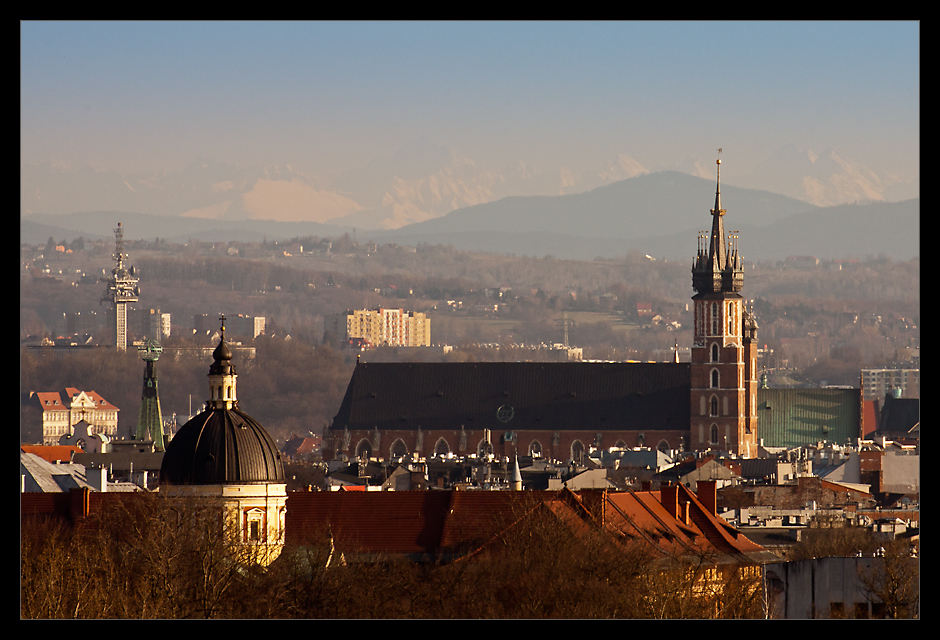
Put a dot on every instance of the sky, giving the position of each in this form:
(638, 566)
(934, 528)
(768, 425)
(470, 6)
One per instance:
(324, 97)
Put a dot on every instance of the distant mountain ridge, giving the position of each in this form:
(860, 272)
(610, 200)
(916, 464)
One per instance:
(658, 214)
(422, 181)
(646, 205)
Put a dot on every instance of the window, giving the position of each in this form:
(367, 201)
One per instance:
(715, 352)
(714, 406)
(713, 434)
(254, 525)
(715, 379)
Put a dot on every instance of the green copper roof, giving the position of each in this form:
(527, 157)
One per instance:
(795, 417)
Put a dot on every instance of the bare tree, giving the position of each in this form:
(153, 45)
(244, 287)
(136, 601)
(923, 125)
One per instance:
(891, 583)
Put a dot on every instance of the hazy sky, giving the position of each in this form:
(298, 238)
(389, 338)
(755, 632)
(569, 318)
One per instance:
(326, 96)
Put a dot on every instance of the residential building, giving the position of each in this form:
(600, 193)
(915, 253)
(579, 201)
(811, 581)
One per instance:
(877, 383)
(382, 327)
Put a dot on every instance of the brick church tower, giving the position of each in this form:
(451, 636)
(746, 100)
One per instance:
(724, 349)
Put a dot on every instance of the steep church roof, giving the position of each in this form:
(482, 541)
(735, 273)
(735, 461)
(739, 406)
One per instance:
(507, 396)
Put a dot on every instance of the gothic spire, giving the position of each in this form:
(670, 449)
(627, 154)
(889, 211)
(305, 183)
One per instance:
(717, 267)
(716, 249)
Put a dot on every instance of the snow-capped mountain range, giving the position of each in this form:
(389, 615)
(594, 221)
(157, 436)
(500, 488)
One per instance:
(422, 181)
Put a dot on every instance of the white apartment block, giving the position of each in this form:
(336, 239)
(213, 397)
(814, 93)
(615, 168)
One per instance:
(382, 327)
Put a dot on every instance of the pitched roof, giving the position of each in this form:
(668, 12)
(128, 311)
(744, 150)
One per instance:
(899, 415)
(644, 515)
(55, 401)
(44, 477)
(532, 396)
(416, 523)
(432, 523)
(53, 453)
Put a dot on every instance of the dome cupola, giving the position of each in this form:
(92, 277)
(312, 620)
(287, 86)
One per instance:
(223, 444)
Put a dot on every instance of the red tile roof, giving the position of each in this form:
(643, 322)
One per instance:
(54, 453)
(436, 522)
(644, 515)
(100, 403)
(55, 401)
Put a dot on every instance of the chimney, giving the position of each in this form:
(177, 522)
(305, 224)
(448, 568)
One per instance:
(97, 477)
(707, 491)
(669, 497)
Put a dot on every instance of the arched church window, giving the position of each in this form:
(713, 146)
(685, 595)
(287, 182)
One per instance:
(441, 448)
(535, 449)
(713, 434)
(399, 449)
(714, 406)
(715, 352)
(714, 318)
(364, 450)
(577, 452)
(714, 379)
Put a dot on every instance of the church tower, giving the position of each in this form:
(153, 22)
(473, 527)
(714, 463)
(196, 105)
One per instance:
(724, 350)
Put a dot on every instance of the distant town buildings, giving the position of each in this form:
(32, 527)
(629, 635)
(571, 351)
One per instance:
(239, 325)
(381, 327)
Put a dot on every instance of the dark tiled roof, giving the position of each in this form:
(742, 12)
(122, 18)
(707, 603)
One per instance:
(899, 415)
(757, 468)
(542, 396)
